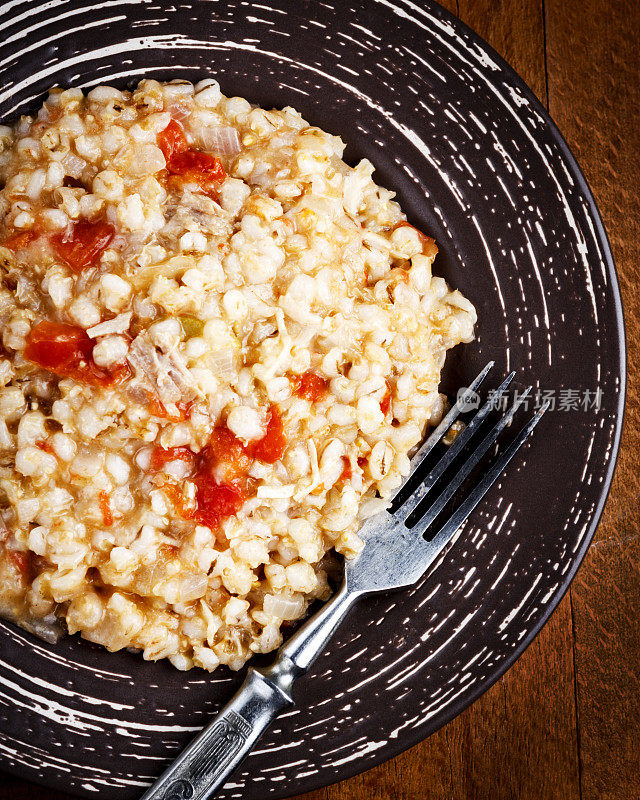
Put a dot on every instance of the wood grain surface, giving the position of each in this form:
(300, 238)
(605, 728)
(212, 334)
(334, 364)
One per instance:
(564, 722)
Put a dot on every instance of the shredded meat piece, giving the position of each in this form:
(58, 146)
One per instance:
(195, 212)
(167, 372)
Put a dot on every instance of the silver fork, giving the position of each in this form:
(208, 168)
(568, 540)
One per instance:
(396, 554)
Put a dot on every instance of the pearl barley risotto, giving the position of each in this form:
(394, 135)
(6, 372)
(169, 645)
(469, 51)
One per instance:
(220, 343)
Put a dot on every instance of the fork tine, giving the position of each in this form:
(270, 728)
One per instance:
(468, 466)
(435, 546)
(437, 434)
(443, 464)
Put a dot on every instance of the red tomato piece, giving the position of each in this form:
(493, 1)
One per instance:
(81, 245)
(158, 409)
(385, 403)
(67, 351)
(347, 472)
(220, 478)
(310, 386)
(216, 501)
(188, 163)
(118, 374)
(221, 470)
(272, 445)
(20, 240)
(172, 140)
(201, 168)
(160, 456)
(105, 507)
(225, 457)
(58, 347)
(175, 495)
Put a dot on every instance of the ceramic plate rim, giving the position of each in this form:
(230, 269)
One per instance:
(411, 738)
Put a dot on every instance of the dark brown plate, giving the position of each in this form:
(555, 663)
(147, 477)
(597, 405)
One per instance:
(478, 164)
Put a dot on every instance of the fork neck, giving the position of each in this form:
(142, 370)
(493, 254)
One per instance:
(309, 641)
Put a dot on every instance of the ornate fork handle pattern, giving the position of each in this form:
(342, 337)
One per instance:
(208, 761)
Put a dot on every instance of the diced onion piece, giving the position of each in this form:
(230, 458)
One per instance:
(283, 607)
(192, 587)
(223, 140)
(178, 111)
(224, 364)
(50, 628)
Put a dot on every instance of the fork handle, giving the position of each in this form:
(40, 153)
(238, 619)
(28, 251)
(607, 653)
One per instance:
(212, 756)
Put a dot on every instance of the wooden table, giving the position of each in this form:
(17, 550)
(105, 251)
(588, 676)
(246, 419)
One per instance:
(564, 722)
